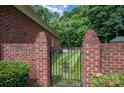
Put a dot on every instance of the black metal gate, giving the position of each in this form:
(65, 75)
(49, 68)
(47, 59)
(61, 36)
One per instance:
(66, 67)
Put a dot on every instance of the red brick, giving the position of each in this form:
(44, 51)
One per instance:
(101, 57)
(91, 62)
(21, 39)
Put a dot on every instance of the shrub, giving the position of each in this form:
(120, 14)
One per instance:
(107, 80)
(13, 74)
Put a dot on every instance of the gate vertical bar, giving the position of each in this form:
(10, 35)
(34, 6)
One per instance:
(56, 62)
(51, 68)
(68, 66)
(74, 62)
(62, 63)
(59, 63)
(78, 59)
(71, 64)
(80, 67)
(53, 64)
(77, 64)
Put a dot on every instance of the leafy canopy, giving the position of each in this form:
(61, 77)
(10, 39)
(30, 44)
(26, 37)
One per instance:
(108, 21)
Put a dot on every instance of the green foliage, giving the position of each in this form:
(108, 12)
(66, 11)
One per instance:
(108, 80)
(108, 21)
(45, 14)
(13, 74)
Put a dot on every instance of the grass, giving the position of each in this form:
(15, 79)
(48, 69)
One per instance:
(66, 68)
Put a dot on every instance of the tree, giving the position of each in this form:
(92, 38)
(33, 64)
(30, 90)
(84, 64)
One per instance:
(108, 21)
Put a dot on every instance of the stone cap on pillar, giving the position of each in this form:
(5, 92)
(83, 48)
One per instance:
(91, 37)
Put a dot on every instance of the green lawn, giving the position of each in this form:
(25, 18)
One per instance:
(66, 68)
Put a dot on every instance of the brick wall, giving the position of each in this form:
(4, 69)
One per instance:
(42, 59)
(54, 42)
(20, 52)
(101, 57)
(91, 56)
(21, 39)
(112, 57)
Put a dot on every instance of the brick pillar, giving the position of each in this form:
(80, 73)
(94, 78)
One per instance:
(91, 56)
(42, 59)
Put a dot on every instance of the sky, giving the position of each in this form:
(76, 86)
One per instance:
(60, 8)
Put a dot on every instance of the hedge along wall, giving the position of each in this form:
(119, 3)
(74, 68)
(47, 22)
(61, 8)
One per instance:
(101, 57)
(36, 55)
(20, 52)
(21, 39)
